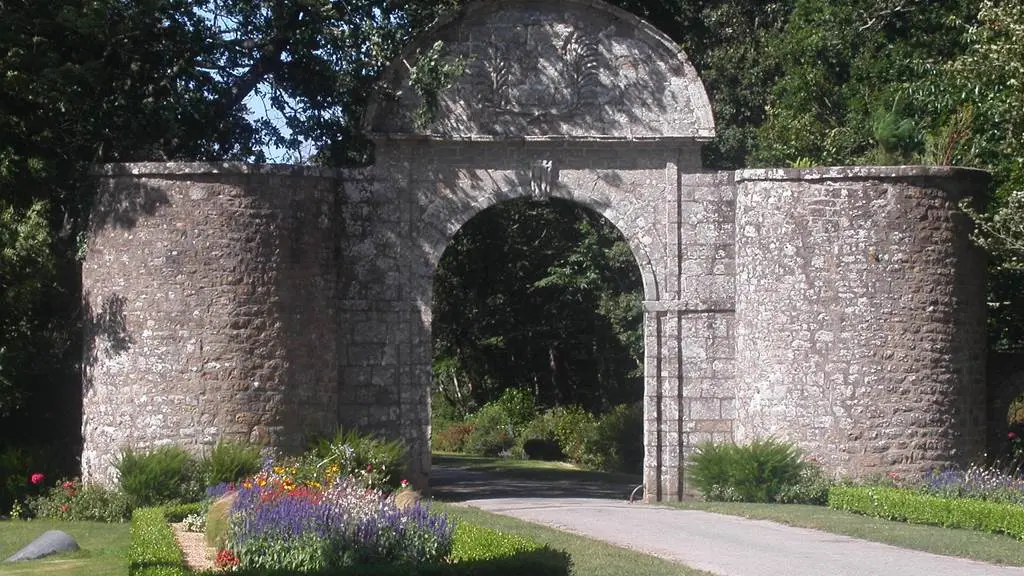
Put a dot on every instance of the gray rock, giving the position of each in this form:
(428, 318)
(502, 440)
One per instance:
(51, 542)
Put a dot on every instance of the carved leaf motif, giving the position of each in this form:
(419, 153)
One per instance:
(582, 57)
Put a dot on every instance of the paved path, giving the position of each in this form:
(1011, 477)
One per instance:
(725, 545)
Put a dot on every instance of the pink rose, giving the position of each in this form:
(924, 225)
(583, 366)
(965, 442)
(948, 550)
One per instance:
(36, 479)
(1012, 435)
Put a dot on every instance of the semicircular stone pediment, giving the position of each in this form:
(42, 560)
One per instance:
(542, 69)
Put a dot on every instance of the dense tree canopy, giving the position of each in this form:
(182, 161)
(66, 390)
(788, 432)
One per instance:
(792, 82)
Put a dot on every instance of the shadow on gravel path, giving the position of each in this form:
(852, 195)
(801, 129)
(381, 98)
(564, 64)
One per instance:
(452, 484)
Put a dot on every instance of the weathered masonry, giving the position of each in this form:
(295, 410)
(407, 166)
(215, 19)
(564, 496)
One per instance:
(840, 308)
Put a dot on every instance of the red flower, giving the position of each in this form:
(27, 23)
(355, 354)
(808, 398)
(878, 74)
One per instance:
(64, 507)
(36, 479)
(1012, 435)
(226, 558)
(67, 484)
(369, 467)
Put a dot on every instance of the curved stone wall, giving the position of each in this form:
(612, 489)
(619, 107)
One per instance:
(209, 292)
(860, 316)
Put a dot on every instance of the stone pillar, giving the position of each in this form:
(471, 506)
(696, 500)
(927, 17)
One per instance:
(860, 316)
(209, 295)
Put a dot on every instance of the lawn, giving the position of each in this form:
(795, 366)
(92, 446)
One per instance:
(589, 557)
(104, 548)
(981, 546)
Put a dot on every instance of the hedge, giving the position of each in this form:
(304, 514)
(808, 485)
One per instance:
(476, 550)
(905, 505)
(152, 550)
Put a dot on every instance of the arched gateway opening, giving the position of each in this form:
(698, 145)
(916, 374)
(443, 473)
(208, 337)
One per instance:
(537, 322)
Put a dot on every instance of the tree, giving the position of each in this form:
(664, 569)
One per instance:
(541, 296)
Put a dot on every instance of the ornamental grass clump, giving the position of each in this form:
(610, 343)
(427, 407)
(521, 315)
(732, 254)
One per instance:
(276, 524)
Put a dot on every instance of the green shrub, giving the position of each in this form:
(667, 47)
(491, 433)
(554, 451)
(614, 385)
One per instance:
(492, 433)
(757, 472)
(70, 500)
(374, 462)
(452, 438)
(811, 488)
(165, 475)
(906, 505)
(152, 549)
(519, 407)
(16, 465)
(177, 512)
(574, 430)
(617, 443)
(231, 462)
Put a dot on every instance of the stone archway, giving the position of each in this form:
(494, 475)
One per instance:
(584, 102)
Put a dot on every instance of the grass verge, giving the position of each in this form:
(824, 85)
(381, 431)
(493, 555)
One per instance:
(984, 547)
(589, 557)
(104, 548)
(531, 469)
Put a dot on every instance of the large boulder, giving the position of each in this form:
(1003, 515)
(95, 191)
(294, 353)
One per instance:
(51, 542)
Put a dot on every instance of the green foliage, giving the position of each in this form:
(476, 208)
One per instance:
(231, 462)
(71, 500)
(453, 438)
(472, 543)
(537, 296)
(375, 462)
(152, 550)
(905, 505)
(167, 474)
(757, 472)
(431, 74)
(493, 432)
(178, 512)
(574, 429)
(617, 443)
(17, 464)
(811, 488)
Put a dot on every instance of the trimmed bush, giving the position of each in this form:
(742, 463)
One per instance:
(152, 549)
(165, 475)
(757, 472)
(178, 512)
(479, 550)
(905, 505)
(231, 462)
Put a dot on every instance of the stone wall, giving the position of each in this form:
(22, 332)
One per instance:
(861, 316)
(210, 303)
(839, 308)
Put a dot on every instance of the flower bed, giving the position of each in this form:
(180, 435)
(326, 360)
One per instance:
(475, 550)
